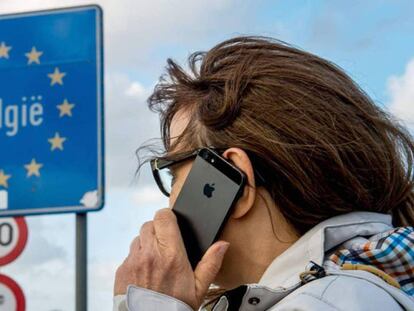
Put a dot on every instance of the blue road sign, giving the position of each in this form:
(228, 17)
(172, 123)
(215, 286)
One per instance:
(51, 112)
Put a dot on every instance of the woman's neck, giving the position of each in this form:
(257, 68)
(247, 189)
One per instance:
(255, 241)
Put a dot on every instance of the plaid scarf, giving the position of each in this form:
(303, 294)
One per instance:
(392, 252)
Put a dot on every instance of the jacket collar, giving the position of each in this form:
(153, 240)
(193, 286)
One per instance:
(282, 275)
(284, 271)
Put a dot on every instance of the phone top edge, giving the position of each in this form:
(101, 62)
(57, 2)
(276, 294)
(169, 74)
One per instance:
(223, 165)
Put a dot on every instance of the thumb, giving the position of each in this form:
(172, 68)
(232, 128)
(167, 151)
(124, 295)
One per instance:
(209, 266)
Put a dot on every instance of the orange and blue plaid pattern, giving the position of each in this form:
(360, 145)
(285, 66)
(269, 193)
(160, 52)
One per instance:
(391, 251)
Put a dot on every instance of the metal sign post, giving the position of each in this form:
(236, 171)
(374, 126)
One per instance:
(81, 261)
(51, 119)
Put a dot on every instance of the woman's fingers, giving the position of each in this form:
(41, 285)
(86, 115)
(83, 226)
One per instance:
(167, 231)
(135, 245)
(146, 235)
(143, 242)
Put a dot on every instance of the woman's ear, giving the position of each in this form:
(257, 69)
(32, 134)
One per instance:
(239, 158)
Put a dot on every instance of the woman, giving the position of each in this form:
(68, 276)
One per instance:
(329, 229)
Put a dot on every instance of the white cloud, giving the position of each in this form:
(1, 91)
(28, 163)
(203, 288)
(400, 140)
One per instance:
(136, 32)
(102, 283)
(148, 195)
(46, 286)
(135, 90)
(401, 89)
(128, 124)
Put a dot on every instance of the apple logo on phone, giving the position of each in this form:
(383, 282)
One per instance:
(208, 190)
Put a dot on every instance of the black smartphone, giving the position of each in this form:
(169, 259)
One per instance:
(205, 201)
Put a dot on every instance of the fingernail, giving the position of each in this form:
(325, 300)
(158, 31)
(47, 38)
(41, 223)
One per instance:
(223, 248)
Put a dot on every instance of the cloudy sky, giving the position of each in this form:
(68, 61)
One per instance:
(373, 42)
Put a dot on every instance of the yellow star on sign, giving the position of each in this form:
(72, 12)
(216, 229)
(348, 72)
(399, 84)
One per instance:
(56, 77)
(56, 142)
(4, 50)
(33, 168)
(33, 56)
(65, 108)
(3, 179)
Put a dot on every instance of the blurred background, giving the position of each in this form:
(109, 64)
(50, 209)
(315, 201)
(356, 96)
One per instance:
(372, 41)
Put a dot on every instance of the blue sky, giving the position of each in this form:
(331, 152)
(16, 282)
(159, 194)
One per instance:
(372, 41)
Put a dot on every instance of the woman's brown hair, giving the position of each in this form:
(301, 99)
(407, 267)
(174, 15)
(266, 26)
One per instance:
(324, 146)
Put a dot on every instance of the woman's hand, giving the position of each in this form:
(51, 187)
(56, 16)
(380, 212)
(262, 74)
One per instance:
(158, 261)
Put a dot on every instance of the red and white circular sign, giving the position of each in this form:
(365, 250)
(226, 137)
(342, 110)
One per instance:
(11, 295)
(13, 238)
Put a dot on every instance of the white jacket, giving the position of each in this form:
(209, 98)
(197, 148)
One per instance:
(280, 287)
